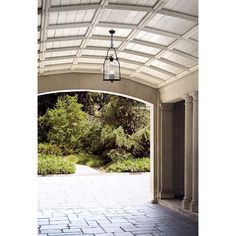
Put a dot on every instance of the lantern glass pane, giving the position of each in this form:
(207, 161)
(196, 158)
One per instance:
(111, 70)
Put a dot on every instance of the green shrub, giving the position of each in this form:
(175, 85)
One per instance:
(82, 158)
(94, 162)
(67, 123)
(49, 149)
(54, 165)
(134, 165)
(72, 158)
(119, 155)
(89, 160)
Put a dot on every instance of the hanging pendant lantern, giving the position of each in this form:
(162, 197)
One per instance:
(111, 65)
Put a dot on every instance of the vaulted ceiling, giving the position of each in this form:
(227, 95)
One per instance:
(156, 41)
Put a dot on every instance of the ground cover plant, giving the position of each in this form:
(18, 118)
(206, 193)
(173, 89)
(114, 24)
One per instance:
(49, 164)
(94, 129)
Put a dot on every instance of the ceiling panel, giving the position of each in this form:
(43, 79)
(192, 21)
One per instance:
(122, 16)
(155, 73)
(102, 43)
(166, 67)
(185, 6)
(72, 2)
(132, 57)
(171, 24)
(179, 59)
(142, 48)
(66, 32)
(154, 38)
(188, 46)
(105, 31)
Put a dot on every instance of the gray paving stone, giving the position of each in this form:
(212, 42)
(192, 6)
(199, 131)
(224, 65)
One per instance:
(123, 234)
(50, 231)
(113, 229)
(106, 234)
(92, 230)
(64, 226)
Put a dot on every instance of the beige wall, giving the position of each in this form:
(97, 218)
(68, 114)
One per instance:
(175, 91)
(75, 81)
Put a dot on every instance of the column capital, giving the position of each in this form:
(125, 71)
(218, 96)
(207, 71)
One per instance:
(187, 98)
(194, 95)
(167, 106)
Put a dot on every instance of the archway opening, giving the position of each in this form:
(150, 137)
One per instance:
(138, 182)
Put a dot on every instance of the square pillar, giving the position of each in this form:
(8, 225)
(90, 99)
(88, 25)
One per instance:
(154, 148)
(166, 152)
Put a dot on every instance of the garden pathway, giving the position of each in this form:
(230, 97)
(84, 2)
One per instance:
(105, 204)
(85, 170)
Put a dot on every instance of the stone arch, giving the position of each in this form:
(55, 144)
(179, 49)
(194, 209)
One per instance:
(127, 88)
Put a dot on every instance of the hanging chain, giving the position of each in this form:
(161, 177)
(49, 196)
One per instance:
(111, 40)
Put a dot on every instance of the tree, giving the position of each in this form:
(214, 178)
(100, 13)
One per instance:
(130, 114)
(67, 123)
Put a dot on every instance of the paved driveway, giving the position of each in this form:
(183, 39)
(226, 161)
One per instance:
(104, 205)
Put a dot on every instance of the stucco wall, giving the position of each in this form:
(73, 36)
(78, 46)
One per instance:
(75, 81)
(175, 91)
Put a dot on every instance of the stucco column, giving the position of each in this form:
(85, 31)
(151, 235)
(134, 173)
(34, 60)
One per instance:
(154, 148)
(194, 202)
(166, 148)
(188, 152)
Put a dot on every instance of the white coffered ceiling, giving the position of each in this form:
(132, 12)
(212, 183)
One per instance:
(157, 41)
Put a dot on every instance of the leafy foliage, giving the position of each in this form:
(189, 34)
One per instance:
(49, 164)
(49, 149)
(130, 114)
(68, 124)
(136, 165)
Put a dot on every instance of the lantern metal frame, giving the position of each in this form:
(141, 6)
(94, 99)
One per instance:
(111, 57)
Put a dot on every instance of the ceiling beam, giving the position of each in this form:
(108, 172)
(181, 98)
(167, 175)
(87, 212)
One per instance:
(136, 53)
(65, 38)
(117, 25)
(183, 54)
(75, 7)
(180, 15)
(120, 59)
(58, 58)
(129, 7)
(161, 32)
(81, 37)
(69, 25)
(168, 62)
(63, 49)
(148, 44)
(161, 70)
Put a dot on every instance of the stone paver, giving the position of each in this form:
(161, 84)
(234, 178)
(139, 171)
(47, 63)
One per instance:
(105, 205)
